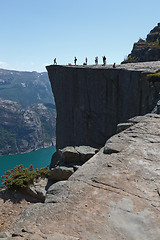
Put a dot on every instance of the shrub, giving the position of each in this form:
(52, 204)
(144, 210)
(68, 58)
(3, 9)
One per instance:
(20, 178)
(154, 77)
(154, 44)
(130, 59)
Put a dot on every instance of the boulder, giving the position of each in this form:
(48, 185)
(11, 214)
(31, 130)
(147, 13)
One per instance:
(54, 193)
(61, 173)
(38, 189)
(122, 126)
(71, 156)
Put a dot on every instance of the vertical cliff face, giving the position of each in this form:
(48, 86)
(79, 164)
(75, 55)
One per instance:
(91, 101)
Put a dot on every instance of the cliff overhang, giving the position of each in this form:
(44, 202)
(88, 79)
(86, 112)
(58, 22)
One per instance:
(92, 100)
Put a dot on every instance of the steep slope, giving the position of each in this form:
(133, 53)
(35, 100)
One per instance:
(112, 196)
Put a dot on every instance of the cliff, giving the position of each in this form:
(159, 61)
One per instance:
(25, 129)
(96, 98)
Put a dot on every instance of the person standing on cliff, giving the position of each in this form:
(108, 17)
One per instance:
(75, 60)
(86, 60)
(96, 60)
(104, 60)
(114, 65)
(55, 61)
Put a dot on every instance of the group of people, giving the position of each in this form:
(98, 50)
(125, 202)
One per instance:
(86, 61)
(96, 61)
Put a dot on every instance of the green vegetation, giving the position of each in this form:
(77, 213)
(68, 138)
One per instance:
(130, 59)
(155, 77)
(154, 44)
(20, 178)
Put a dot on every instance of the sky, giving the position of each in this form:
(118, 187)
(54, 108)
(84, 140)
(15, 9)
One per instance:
(34, 32)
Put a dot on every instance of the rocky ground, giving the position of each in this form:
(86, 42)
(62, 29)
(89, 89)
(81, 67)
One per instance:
(113, 196)
(12, 205)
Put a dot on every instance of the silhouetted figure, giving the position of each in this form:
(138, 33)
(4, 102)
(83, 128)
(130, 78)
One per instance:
(114, 65)
(75, 60)
(96, 60)
(55, 61)
(86, 61)
(104, 60)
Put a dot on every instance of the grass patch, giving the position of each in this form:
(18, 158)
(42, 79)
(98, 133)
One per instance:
(154, 77)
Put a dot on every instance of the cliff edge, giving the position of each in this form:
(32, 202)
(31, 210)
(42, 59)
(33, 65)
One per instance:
(96, 98)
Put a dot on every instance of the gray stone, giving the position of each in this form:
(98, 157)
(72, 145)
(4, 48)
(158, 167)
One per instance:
(38, 190)
(123, 126)
(61, 173)
(71, 156)
(57, 192)
(86, 152)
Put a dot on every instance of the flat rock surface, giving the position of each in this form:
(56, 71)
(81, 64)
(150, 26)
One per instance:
(139, 66)
(113, 196)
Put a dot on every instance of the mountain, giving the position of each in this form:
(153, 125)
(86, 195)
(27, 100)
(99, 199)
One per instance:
(26, 88)
(25, 129)
(27, 111)
(146, 50)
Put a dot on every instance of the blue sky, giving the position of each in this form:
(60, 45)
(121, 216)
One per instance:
(34, 32)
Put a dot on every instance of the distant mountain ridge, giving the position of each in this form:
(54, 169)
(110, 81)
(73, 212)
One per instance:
(26, 88)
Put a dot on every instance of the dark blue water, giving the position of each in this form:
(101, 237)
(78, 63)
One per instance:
(40, 158)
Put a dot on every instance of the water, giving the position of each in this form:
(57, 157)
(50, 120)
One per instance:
(40, 158)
